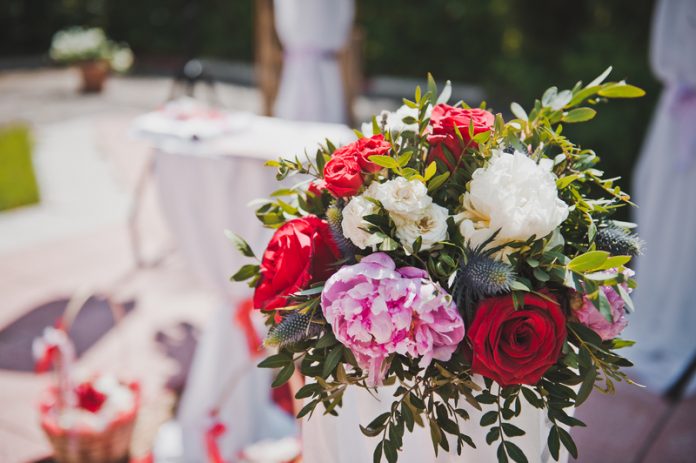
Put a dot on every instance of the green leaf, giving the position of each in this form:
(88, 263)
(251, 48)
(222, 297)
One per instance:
(310, 291)
(430, 171)
(588, 261)
(326, 341)
(586, 386)
(532, 398)
(554, 443)
(284, 375)
(239, 243)
(614, 262)
(493, 435)
(390, 451)
(602, 304)
(437, 181)
(620, 90)
(371, 432)
(541, 275)
(332, 360)
(388, 244)
(246, 272)
(511, 430)
(435, 435)
(307, 408)
(489, 418)
(432, 89)
(384, 161)
(502, 455)
(404, 158)
(518, 111)
(568, 442)
(565, 181)
(579, 115)
(276, 361)
(377, 456)
(549, 95)
(586, 334)
(515, 452)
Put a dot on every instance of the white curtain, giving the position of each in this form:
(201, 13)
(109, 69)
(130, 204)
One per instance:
(665, 190)
(312, 32)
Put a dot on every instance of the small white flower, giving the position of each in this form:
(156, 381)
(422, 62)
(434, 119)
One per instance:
(514, 195)
(122, 59)
(431, 226)
(394, 121)
(353, 225)
(403, 198)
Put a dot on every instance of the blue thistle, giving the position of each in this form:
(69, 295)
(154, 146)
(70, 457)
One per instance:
(294, 327)
(618, 241)
(334, 217)
(478, 277)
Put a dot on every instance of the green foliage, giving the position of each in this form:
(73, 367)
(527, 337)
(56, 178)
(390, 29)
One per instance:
(18, 185)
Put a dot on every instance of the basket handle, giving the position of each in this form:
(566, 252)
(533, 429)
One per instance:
(78, 301)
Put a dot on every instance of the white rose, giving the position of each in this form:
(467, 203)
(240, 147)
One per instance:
(431, 226)
(353, 225)
(394, 121)
(401, 197)
(512, 194)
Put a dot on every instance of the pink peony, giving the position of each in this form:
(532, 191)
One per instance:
(590, 316)
(376, 309)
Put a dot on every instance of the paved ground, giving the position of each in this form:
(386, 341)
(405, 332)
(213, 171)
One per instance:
(77, 238)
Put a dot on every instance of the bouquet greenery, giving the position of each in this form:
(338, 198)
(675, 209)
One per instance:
(468, 261)
(76, 44)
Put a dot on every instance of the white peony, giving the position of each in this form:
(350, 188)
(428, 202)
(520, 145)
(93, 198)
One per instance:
(353, 225)
(514, 195)
(431, 226)
(401, 197)
(393, 121)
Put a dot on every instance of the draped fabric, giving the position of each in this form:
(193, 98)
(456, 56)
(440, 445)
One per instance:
(665, 190)
(205, 188)
(312, 32)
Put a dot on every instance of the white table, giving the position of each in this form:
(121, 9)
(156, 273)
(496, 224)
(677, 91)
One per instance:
(205, 187)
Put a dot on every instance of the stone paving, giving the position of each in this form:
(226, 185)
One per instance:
(77, 238)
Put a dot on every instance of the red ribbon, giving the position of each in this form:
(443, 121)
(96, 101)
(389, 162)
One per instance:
(45, 362)
(243, 318)
(215, 430)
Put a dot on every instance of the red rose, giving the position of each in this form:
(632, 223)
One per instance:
(516, 346)
(89, 398)
(300, 252)
(443, 121)
(363, 148)
(343, 176)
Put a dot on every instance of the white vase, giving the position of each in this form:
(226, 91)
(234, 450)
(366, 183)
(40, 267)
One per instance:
(331, 439)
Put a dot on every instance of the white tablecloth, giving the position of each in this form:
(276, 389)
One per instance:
(205, 188)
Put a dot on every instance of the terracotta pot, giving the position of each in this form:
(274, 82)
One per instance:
(94, 74)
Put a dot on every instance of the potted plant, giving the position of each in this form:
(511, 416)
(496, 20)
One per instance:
(93, 52)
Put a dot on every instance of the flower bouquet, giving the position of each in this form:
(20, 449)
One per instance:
(467, 260)
(93, 52)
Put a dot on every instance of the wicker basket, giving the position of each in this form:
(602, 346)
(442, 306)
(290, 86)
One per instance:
(87, 446)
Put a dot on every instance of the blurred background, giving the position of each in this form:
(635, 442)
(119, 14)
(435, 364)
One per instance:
(118, 191)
